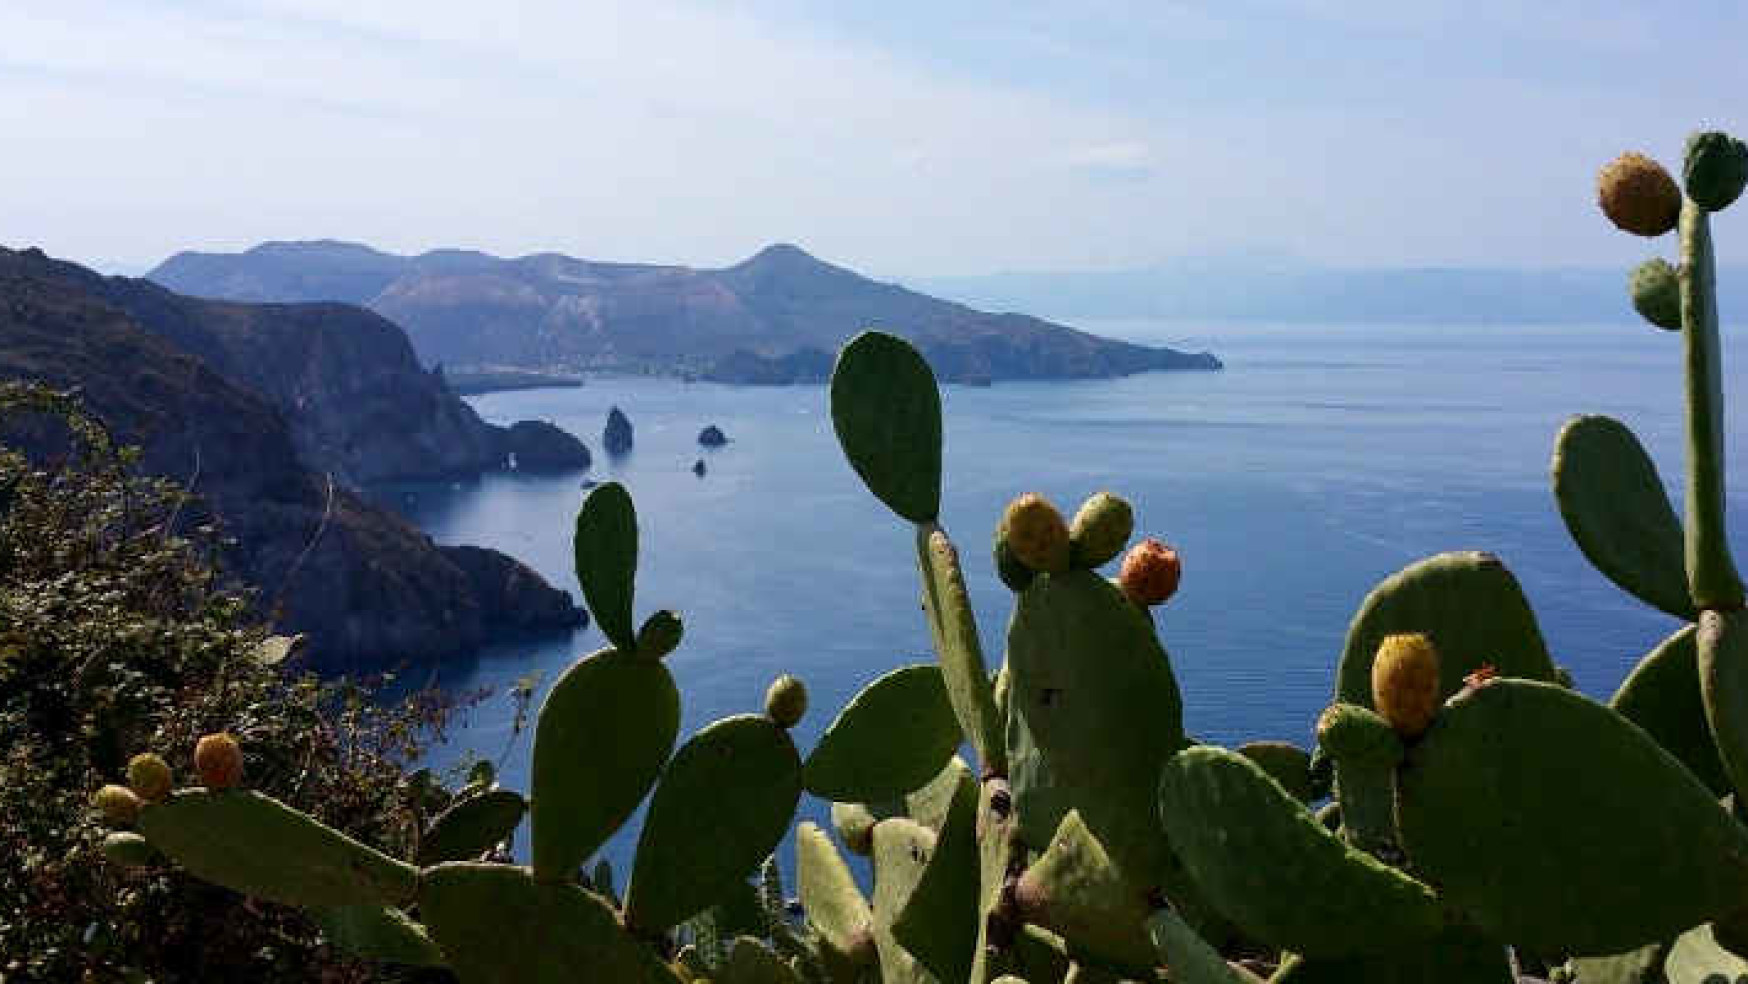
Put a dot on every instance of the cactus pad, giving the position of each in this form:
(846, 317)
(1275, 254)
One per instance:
(1486, 813)
(901, 854)
(1614, 505)
(723, 803)
(1662, 695)
(886, 410)
(1188, 956)
(1073, 890)
(614, 701)
(892, 738)
(374, 932)
(1441, 596)
(1259, 856)
(752, 962)
(834, 905)
(497, 925)
(472, 826)
(938, 922)
(1696, 958)
(606, 561)
(1723, 677)
(255, 845)
(1286, 763)
(953, 629)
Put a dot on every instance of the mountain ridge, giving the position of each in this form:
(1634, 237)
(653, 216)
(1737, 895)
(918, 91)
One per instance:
(747, 322)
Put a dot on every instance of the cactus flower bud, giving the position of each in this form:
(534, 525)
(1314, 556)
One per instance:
(118, 804)
(1355, 735)
(1036, 534)
(1150, 574)
(1714, 170)
(1657, 293)
(128, 850)
(1099, 531)
(660, 635)
(786, 701)
(219, 760)
(1405, 682)
(1638, 195)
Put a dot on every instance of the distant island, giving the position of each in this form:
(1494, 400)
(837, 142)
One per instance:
(774, 318)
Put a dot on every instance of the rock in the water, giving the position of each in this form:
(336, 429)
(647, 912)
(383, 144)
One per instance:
(511, 597)
(617, 437)
(712, 437)
(698, 468)
(541, 447)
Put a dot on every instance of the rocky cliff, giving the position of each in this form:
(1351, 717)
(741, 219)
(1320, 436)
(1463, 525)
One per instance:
(368, 587)
(771, 318)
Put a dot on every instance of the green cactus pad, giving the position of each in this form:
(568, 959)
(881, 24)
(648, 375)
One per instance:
(497, 925)
(722, 805)
(1696, 958)
(1189, 957)
(938, 922)
(606, 561)
(1073, 890)
(1094, 712)
(1614, 505)
(1712, 580)
(1643, 965)
(380, 933)
(1286, 763)
(472, 826)
(890, 739)
(752, 962)
(1495, 781)
(901, 854)
(1662, 695)
(930, 805)
(614, 701)
(1656, 292)
(995, 849)
(953, 629)
(834, 905)
(256, 845)
(1259, 855)
(886, 410)
(660, 634)
(1456, 956)
(1442, 597)
(1722, 642)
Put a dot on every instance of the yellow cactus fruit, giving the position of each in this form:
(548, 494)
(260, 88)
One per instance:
(118, 804)
(219, 760)
(1036, 534)
(1405, 682)
(786, 701)
(149, 776)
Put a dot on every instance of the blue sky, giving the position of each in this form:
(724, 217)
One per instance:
(902, 138)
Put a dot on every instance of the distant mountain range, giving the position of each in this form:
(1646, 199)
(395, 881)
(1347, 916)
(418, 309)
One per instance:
(1285, 290)
(272, 414)
(776, 317)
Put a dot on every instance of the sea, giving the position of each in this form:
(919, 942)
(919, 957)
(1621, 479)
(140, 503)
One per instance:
(1320, 461)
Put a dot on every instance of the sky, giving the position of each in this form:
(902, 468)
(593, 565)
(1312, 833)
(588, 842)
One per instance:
(905, 138)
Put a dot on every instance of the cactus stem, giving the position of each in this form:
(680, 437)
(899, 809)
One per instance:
(1711, 574)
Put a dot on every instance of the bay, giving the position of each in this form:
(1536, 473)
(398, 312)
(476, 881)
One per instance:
(1320, 461)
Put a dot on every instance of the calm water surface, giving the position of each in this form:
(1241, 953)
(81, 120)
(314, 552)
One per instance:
(1319, 462)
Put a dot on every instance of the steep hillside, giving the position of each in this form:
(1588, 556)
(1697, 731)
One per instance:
(758, 321)
(367, 587)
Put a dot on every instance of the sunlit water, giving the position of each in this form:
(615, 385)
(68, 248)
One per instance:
(1320, 461)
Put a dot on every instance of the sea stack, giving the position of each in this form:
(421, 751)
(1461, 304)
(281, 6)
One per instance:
(617, 437)
(712, 437)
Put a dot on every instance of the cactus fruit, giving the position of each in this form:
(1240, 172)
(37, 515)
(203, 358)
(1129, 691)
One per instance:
(1714, 169)
(219, 761)
(1638, 195)
(660, 635)
(786, 701)
(1656, 293)
(1100, 529)
(118, 805)
(1405, 682)
(148, 775)
(126, 849)
(1036, 534)
(1150, 573)
(1016, 575)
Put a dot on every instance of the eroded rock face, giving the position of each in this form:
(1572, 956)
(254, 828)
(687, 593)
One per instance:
(365, 585)
(617, 437)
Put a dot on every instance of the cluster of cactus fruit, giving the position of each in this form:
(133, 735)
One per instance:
(1482, 818)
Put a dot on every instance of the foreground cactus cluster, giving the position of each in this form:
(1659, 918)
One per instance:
(1462, 815)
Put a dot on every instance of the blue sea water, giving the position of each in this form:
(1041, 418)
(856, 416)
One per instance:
(1322, 460)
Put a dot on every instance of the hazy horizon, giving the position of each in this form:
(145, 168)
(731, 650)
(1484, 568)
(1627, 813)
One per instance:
(902, 140)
